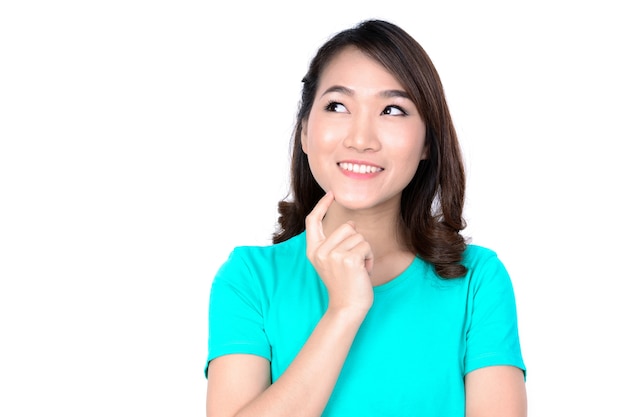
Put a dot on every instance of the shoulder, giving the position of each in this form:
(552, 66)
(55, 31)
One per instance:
(274, 252)
(475, 255)
(485, 268)
(262, 260)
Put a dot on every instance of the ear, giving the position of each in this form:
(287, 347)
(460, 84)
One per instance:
(304, 140)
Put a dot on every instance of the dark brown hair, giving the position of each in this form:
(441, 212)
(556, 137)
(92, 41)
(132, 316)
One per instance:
(432, 203)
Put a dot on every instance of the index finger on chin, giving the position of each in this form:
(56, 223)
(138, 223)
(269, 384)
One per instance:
(314, 219)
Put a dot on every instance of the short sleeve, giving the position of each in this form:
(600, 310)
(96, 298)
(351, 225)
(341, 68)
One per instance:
(235, 311)
(492, 334)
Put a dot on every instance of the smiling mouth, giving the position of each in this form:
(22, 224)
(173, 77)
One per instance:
(359, 168)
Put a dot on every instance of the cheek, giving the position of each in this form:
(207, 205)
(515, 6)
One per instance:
(317, 145)
(408, 142)
(415, 142)
(409, 166)
(324, 132)
(409, 154)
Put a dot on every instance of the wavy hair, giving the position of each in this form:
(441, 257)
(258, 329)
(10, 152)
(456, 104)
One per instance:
(432, 203)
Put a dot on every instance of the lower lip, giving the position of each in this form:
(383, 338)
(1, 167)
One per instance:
(358, 175)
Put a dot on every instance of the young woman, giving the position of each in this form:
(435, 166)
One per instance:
(369, 302)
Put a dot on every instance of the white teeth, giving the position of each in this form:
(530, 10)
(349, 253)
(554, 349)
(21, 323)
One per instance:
(359, 169)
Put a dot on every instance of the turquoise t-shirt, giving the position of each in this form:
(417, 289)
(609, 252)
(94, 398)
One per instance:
(422, 335)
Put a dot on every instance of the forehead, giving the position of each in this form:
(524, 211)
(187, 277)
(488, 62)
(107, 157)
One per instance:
(352, 68)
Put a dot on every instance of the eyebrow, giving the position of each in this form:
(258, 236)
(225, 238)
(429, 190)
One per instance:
(349, 92)
(394, 93)
(339, 89)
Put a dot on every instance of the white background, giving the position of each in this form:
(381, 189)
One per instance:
(141, 140)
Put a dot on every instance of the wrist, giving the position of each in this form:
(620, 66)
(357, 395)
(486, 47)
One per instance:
(347, 315)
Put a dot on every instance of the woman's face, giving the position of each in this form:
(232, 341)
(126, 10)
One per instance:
(364, 137)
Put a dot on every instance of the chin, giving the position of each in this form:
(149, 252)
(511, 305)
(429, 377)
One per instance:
(354, 202)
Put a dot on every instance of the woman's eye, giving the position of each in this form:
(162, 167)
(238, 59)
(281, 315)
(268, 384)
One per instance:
(333, 106)
(394, 111)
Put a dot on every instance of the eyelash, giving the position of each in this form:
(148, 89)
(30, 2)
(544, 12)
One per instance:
(332, 104)
(400, 109)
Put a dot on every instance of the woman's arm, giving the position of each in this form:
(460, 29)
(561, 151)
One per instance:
(495, 391)
(239, 385)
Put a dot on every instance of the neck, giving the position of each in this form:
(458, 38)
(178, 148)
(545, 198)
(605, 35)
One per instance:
(378, 226)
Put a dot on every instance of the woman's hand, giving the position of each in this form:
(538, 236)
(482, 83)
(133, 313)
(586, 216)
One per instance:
(343, 260)
(240, 384)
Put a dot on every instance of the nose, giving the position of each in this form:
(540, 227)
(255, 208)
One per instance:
(362, 135)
